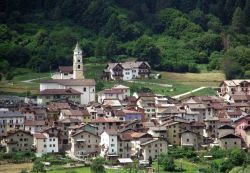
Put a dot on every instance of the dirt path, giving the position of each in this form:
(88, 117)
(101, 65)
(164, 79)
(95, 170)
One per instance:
(15, 168)
(31, 80)
(190, 92)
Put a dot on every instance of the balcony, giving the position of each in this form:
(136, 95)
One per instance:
(118, 74)
(144, 71)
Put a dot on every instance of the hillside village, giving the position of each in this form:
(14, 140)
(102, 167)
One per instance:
(70, 117)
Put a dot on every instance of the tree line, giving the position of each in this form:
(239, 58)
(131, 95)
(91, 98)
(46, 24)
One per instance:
(173, 35)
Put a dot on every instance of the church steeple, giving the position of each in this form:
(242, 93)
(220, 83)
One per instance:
(77, 63)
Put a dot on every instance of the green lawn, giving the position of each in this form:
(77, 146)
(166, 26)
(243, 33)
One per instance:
(182, 82)
(17, 87)
(87, 170)
(187, 167)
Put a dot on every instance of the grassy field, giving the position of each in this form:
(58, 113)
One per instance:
(14, 168)
(212, 79)
(16, 86)
(181, 82)
(187, 167)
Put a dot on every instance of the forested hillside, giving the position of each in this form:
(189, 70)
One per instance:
(173, 35)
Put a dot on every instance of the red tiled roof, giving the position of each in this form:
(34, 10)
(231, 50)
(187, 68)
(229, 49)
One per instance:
(72, 82)
(9, 133)
(57, 106)
(34, 123)
(69, 91)
(240, 97)
(113, 91)
(235, 113)
(66, 69)
(105, 120)
(70, 120)
(39, 136)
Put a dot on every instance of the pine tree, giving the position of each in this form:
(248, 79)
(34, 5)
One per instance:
(111, 47)
(99, 48)
(247, 13)
(238, 21)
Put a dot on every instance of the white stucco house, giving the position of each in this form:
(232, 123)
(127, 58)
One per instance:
(119, 92)
(127, 70)
(109, 143)
(45, 143)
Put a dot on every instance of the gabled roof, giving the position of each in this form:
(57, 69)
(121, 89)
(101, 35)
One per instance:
(10, 133)
(10, 114)
(188, 131)
(128, 65)
(72, 112)
(149, 141)
(120, 87)
(39, 136)
(112, 91)
(34, 123)
(105, 120)
(70, 120)
(226, 126)
(111, 131)
(69, 91)
(57, 106)
(83, 131)
(234, 83)
(72, 82)
(65, 69)
(229, 136)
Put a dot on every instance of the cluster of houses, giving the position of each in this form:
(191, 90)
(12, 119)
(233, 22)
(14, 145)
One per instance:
(115, 123)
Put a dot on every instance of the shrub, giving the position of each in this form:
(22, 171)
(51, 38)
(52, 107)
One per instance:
(9, 76)
(168, 163)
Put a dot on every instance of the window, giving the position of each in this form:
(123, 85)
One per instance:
(79, 60)
(112, 145)
(84, 89)
(187, 140)
(79, 66)
(235, 143)
(45, 146)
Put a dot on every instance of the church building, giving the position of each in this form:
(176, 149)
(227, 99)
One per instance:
(69, 77)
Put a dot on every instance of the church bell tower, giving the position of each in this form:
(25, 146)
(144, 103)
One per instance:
(77, 63)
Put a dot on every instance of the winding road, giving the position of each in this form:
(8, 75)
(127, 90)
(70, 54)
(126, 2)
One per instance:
(32, 80)
(190, 92)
